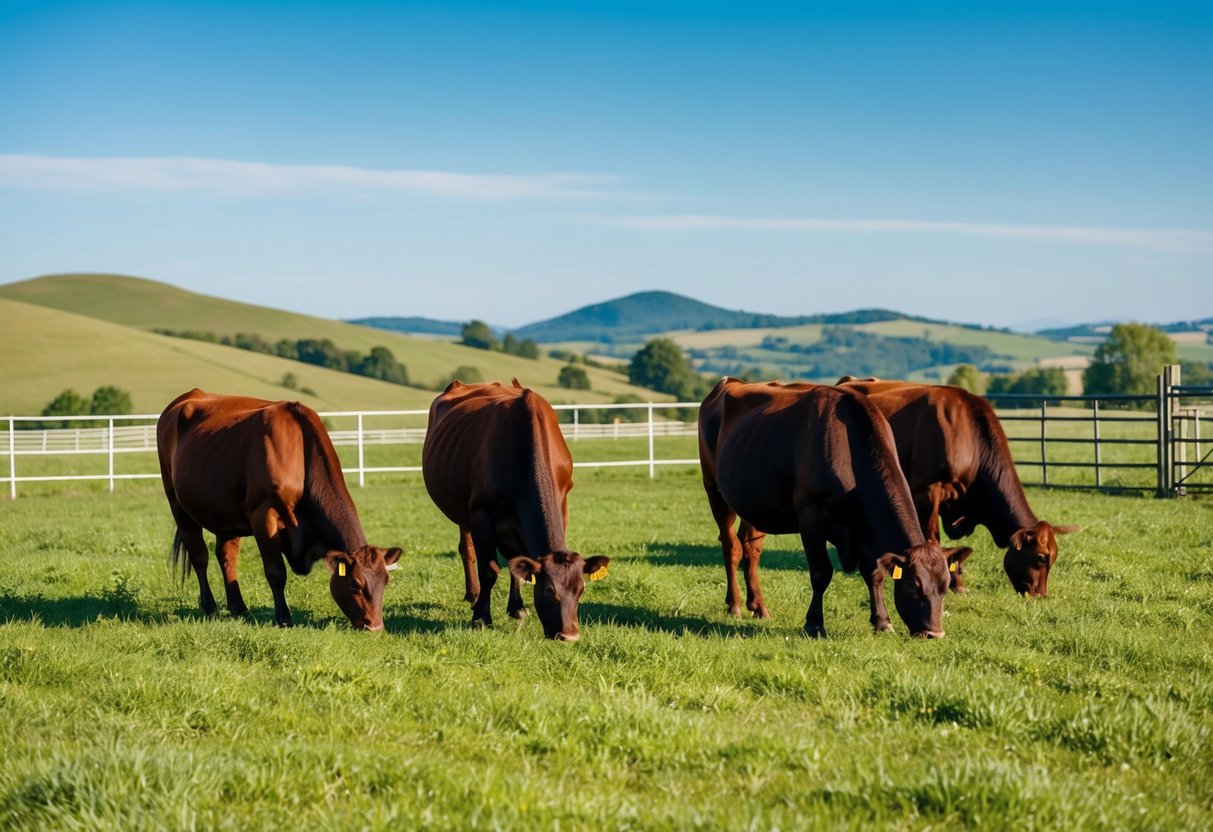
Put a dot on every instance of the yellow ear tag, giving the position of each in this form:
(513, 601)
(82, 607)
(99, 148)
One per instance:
(341, 568)
(896, 573)
(598, 574)
(530, 580)
(952, 566)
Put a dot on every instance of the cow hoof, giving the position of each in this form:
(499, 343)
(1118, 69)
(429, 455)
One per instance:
(815, 632)
(477, 624)
(761, 612)
(518, 613)
(734, 611)
(238, 612)
(886, 627)
(284, 623)
(471, 598)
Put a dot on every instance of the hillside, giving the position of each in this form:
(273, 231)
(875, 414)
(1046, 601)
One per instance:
(648, 313)
(412, 326)
(140, 305)
(55, 350)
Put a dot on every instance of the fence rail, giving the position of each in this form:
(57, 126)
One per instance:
(1109, 443)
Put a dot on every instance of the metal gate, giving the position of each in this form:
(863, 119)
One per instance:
(1185, 459)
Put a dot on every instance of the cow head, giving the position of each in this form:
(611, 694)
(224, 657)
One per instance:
(559, 581)
(1031, 555)
(920, 580)
(357, 579)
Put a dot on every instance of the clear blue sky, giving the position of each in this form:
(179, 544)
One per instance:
(990, 162)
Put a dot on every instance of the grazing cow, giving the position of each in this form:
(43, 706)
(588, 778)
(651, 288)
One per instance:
(956, 458)
(237, 466)
(496, 464)
(819, 461)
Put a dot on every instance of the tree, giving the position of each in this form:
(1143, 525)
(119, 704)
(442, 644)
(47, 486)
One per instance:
(968, 377)
(1044, 381)
(67, 403)
(573, 377)
(528, 349)
(478, 334)
(381, 364)
(465, 373)
(509, 344)
(110, 401)
(1129, 360)
(661, 366)
(1196, 373)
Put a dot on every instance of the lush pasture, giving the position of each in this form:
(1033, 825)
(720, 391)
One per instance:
(120, 707)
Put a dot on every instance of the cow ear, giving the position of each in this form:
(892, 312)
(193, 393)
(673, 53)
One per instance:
(516, 382)
(1022, 538)
(891, 563)
(596, 567)
(957, 556)
(525, 569)
(340, 564)
(391, 556)
(1066, 529)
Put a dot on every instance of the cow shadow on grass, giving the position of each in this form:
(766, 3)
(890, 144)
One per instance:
(675, 624)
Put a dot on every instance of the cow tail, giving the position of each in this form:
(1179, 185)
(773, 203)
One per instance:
(178, 566)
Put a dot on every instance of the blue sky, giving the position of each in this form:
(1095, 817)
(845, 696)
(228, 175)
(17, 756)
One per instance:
(996, 163)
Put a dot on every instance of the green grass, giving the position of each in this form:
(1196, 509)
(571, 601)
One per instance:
(102, 336)
(121, 708)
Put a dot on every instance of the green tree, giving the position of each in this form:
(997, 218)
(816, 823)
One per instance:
(528, 349)
(1129, 360)
(465, 373)
(381, 364)
(661, 366)
(478, 334)
(509, 344)
(1196, 373)
(968, 377)
(290, 381)
(573, 377)
(110, 401)
(67, 403)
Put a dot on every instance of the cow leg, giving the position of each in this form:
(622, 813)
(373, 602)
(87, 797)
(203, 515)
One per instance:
(515, 608)
(227, 550)
(730, 547)
(467, 553)
(821, 572)
(875, 582)
(926, 503)
(266, 529)
(751, 550)
(484, 541)
(199, 555)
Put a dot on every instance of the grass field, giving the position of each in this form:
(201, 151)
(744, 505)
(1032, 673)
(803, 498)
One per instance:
(120, 707)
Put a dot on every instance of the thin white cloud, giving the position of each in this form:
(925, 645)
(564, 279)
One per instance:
(236, 178)
(1181, 239)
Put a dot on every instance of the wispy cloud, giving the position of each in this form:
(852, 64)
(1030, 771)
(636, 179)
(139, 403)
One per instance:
(1181, 239)
(236, 178)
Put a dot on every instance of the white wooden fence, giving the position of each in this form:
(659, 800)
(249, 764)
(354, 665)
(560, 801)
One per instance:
(113, 436)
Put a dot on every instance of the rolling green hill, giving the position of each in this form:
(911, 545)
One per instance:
(54, 350)
(133, 306)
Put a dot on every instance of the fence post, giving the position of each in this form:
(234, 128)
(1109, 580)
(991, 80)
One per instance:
(361, 467)
(575, 425)
(1095, 424)
(110, 433)
(652, 458)
(1044, 462)
(12, 461)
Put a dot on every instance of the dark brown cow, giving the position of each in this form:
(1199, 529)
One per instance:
(955, 455)
(237, 466)
(818, 461)
(497, 465)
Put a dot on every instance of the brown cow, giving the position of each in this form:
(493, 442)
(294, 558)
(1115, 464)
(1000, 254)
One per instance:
(237, 466)
(818, 461)
(496, 464)
(956, 457)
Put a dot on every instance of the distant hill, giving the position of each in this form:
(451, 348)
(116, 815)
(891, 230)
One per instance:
(137, 306)
(646, 313)
(1099, 330)
(412, 326)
